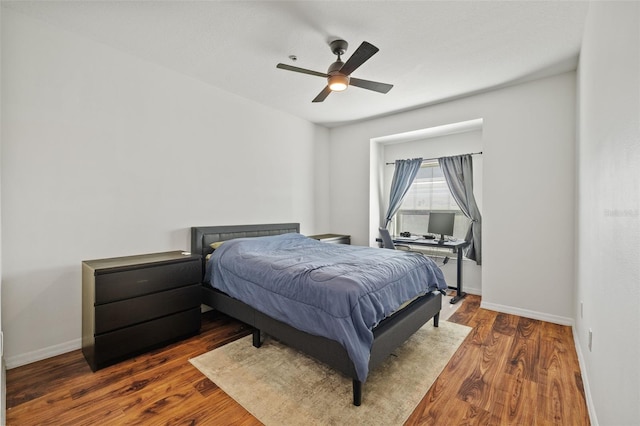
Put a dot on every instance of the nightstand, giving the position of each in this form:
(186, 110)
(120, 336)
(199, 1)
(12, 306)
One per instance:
(136, 303)
(332, 238)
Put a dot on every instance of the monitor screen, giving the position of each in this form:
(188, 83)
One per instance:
(441, 223)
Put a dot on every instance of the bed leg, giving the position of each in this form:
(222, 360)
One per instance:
(357, 392)
(436, 318)
(256, 338)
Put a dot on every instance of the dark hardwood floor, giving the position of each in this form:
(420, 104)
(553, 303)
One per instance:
(509, 371)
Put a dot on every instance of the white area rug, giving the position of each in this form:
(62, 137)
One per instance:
(281, 386)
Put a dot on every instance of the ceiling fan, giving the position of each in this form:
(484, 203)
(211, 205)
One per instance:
(339, 74)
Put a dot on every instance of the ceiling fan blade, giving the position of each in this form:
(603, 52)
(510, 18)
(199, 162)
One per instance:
(371, 85)
(365, 51)
(322, 95)
(302, 70)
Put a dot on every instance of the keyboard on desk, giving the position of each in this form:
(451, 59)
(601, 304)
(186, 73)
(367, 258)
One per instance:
(407, 239)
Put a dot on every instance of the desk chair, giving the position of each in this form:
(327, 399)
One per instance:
(387, 241)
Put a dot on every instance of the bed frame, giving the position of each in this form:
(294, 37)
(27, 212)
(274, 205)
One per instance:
(388, 335)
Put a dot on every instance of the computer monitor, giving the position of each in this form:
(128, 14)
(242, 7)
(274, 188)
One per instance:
(441, 223)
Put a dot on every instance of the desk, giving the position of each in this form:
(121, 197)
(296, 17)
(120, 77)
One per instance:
(455, 246)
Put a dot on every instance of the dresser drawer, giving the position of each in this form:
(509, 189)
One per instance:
(123, 343)
(123, 313)
(114, 286)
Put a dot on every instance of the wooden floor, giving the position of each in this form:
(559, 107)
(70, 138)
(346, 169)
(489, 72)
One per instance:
(509, 371)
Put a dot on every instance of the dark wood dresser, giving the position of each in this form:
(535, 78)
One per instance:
(136, 303)
(332, 238)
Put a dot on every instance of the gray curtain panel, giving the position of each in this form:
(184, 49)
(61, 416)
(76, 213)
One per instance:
(404, 174)
(458, 171)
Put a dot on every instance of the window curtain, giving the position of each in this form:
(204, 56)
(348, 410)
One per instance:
(404, 174)
(458, 172)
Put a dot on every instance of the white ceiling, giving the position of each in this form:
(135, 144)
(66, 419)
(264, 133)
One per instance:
(429, 50)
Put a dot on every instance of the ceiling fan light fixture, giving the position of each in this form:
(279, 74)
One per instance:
(338, 82)
(338, 75)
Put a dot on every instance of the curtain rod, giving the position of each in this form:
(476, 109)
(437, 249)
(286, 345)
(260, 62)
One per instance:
(434, 159)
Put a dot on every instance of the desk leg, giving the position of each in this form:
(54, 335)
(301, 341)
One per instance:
(459, 293)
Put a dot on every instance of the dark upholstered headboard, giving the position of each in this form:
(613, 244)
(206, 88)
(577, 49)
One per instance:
(203, 236)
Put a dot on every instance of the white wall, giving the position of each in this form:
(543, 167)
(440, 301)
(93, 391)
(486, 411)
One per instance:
(104, 154)
(608, 258)
(435, 147)
(528, 189)
(3, 383)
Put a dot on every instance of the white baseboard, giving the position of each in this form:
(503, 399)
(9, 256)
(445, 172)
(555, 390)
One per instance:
(472, 290)
(585, 379)
(542, 316)
(51, 351)
(44, 353)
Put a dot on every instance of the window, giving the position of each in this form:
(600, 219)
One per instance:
(429, 192)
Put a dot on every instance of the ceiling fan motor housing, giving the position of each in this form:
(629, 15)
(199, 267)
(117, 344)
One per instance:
(335, 67)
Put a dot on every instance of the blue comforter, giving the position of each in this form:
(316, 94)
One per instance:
(337, 291)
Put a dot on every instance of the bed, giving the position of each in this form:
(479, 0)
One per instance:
(387, 334)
